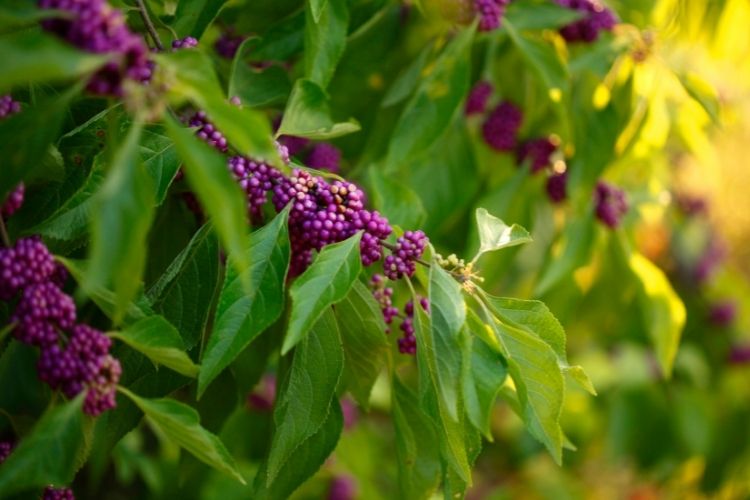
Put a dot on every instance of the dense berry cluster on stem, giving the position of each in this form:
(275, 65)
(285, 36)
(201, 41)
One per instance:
(256, 179)
(610, 204)
(476, 102)
(500, 128)
(227, 44)
(184, 43)
(597, 18)
(52, 493)
(208, 132)
(402, 262)
(556, 186)
(295, 145)
(490, 13)
(74, 357)
(94, 26)
(384, 296)
(6, 447)
(407, 344)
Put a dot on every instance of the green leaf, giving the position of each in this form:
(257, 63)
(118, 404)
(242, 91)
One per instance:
(483, 375)
(307, 458)
(194, 16)
(307, 114)
(207, 173)
(39, 126)
(407, 81)
(243, 313)
(48, 454)
(544, 60)
(257, 87)
(247, 130)
(122, 215)
(104, 298)
(160, 159)
(525, 15)
(160, 342)
(577, 243)
(365, 343)
(180, 423)
(395, 200)
(182, 294)
(53, 60)
(282, 41)
(578, 374)
(16, 14)
(495, 234)
(416, 445)
(324, 283)
(448, 314)
(304, 402)
(23, 393)
(325, 39)
(431, 109)
(663, 312)
(703, 93)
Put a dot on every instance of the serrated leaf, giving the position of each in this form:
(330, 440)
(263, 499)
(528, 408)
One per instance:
(306, 460)
(53, 60)
(325, 38)
(183, 292)
(364, 340)
(663, 312)
(122, 215)
(47, 455)
(155, 337)
(160, 159)
(324, 283)
(247, 130)
(39, 125)
(416, 445)
(495, 234)
(307, 114)
(181, 424)
(578, 374)
(243, 313)
(207, 173)
(303, 403)
(433, 105)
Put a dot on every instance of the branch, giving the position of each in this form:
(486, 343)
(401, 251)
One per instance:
(149, 25)
(4, 233)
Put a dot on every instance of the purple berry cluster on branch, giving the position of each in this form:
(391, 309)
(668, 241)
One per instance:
(611, 204)
(94, 26)
(52, 493)
(557, 186)
(74, 357)
(6, 447)
(476, 102)
(228, 44)
(597, 18)
(538, 152)
(402, 262)
(500, 128)
(490, 13)
(188, 42)
(208, 132)
(383, 294)
(324, 156)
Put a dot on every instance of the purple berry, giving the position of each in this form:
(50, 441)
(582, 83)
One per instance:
(227, 44)
(490, 13)
(476, 102)
(722, 313)
(409, 248)
(43, 308)
(294, 144)
(342, 488)
(557, 187)
(206, 130)
(538, 152)
(52, 493)
(611, 204)
(324, 156)
(184, 43)
(14, 201)
(597, 18)
(26, 263)
(8, 106)
(500, 128)
(6, 447)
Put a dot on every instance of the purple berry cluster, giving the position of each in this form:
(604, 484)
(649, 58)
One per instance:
(402, 262)
(722, 313)
(490, 13)
(256, 179)
(74, 357)
(208, 132)
(6, 447)
(184, 43)
(323, 213)
(407, 344)
(500, 128)
(342, 488)
(94, 26)
(324, 156)
(538, 152)
(610, 203)
(52, 493)
(476, 102)
(14, 200)
(557, 184)
(383, 294)
(228, 44)
(597, 18)
(295, 145)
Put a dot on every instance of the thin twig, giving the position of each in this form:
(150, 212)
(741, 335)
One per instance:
(149, 25)
(4, 233)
